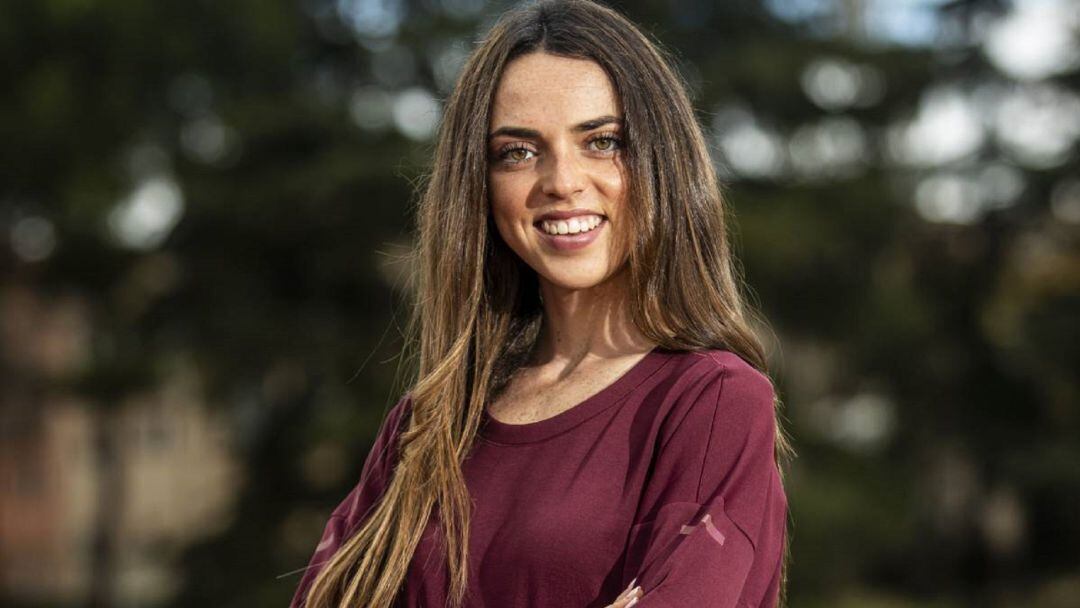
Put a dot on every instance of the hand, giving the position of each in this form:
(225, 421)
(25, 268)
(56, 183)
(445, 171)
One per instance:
(627, 598)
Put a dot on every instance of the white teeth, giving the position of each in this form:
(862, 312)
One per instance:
(575, 225)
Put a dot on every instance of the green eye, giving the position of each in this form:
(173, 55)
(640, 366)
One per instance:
(514, 154)
(606, 142)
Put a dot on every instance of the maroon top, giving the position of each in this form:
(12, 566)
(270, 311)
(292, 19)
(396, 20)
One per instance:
(666, 475)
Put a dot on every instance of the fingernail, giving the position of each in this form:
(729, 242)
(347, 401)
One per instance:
(632, 583)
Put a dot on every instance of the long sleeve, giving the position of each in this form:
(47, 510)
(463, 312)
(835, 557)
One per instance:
(353, 509)
(710, 528)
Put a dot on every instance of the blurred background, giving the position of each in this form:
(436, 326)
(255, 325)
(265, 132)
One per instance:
(203, 206)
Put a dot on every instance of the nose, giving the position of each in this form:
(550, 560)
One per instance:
(563, 174)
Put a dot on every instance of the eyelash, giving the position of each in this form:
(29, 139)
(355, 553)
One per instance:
(505, 151)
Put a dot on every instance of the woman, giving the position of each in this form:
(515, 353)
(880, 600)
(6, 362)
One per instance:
(592, 424)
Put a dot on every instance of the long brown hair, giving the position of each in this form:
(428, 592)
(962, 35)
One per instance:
(477, 312)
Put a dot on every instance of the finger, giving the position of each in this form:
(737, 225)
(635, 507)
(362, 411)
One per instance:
(630, 597)
(628, 601)
(626, 596)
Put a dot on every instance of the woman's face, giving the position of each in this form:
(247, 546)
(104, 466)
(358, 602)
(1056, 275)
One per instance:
(555, 150)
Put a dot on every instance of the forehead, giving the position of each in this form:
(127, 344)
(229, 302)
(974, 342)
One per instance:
(543, 88)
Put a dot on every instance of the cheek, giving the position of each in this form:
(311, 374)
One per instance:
(507, 205)
(614, 183)
(504, 212)
(500, 203)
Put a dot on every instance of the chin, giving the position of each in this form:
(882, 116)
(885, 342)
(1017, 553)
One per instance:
(575, 279)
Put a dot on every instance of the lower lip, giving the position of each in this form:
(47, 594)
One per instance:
(571, 242)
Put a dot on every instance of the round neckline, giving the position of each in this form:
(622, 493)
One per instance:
(529, 432)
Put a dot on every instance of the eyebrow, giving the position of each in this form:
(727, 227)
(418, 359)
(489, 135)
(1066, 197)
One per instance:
(581, 127)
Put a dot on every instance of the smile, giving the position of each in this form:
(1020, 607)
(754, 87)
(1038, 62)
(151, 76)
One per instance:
(574, 225)
(558, 235)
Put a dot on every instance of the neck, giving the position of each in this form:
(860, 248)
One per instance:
(591, 323)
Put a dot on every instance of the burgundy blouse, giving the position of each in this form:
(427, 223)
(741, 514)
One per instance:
(667, 475)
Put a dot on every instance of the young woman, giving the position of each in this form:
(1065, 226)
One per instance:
(592, 423)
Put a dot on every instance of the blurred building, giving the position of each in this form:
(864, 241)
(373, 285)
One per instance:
(170, 480)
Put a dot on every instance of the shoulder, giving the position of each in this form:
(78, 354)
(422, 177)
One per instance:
(715, 362)
(379, 463)
(733, 369)
(399, 412)
(393, 423)
(745, 391)
(718, 420)
(722, 381)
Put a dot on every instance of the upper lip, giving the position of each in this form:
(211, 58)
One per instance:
(565, 215)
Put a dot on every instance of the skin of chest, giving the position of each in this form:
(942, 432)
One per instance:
(536, 394)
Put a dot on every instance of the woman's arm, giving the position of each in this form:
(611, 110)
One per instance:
(712, 523)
